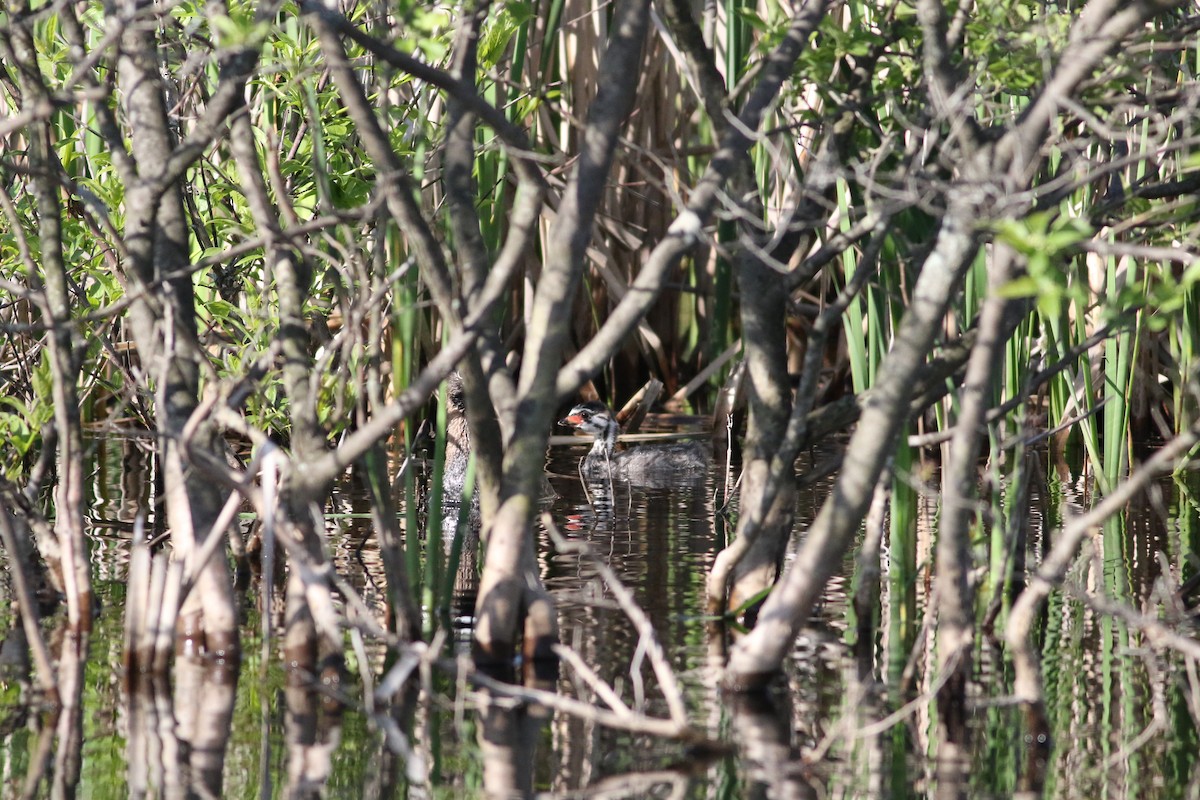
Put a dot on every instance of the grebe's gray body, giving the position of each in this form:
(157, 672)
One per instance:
(647, 462)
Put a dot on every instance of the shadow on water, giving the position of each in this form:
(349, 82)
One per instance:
(837, 724)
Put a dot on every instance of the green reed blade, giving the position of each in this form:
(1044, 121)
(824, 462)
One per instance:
(855, 329)
(902, 576)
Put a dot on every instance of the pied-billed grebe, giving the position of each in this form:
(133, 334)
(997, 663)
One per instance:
(638, 463)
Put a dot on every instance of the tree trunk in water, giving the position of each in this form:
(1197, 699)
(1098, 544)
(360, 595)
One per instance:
(55, 306)
(759, 656)
(510, 589)
(164, 328)
(955, 600)
(502, 587)
(768, 521)
(309, 590)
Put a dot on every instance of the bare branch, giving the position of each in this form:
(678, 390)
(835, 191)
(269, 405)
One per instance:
(689, 225)
(1098, 29)
(1027, 679)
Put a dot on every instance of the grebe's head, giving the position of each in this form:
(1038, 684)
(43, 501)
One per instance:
(592, 417)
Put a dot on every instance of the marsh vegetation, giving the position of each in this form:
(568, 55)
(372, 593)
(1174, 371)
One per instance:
(923, 275)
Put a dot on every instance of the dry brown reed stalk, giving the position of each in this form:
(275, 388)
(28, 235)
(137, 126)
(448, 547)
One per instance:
(640, 201)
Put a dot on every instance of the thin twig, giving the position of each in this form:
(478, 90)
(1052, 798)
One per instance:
(637, 723)
(28, 608)
(592, 679)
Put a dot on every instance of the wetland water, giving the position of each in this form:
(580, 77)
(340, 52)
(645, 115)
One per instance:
(1122, 717)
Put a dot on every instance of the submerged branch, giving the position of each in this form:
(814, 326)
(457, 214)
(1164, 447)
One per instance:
(636, 723)
(647, 640)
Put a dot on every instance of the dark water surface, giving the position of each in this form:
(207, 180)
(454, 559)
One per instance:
(836, 726)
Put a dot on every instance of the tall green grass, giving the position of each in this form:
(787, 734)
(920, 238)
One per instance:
(855, 319)
(903, 618)
(1118, 375)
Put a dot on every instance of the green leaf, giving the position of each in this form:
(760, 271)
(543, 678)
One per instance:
(1024, 286)
(238, 29)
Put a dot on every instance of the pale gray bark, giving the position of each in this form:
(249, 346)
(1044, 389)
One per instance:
(987, 173)
(1016, 158)
(68, 720)
(769, 469)
(960, 479)
(474, 264)
(466, 308)
(51, 291)
(702, 205)
(758, 656)
(767, 507)
(204, 694)
(751, 562)
(302, 499)
(164, 328)
(510, 570)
